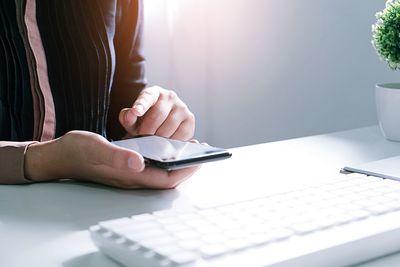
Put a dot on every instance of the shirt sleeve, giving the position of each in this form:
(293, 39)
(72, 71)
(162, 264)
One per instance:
(129, 78)
(12, 156)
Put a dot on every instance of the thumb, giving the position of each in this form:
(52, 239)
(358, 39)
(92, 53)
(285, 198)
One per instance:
(128, 120)
(120, 158)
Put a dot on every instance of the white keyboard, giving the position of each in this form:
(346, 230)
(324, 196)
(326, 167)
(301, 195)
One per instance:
(338, 222)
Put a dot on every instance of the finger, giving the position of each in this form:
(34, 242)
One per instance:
(170, 124)
(185, 131)
(146, 99)
(119, 158)
(161, 179)
(127, 120)
(149, 178)
(178, 176)
(174, 124)
(155, 117)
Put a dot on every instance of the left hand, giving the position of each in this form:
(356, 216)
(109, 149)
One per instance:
(158, 111)
(88, 156)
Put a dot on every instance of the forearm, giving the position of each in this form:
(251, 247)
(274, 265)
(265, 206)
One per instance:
(12, 161)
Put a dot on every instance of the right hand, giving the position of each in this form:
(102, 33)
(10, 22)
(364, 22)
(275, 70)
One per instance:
(88, 156)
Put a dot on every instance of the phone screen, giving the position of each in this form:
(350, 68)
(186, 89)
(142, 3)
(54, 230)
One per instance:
(172, 151)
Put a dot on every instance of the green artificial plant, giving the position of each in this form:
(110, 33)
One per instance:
(386, 34)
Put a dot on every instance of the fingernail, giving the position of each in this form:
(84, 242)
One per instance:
(139, 108)
(131, 164)
(129, 117)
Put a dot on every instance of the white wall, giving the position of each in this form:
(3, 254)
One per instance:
(262, 70)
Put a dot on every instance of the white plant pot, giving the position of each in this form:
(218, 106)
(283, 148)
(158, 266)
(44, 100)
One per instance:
(388, 108)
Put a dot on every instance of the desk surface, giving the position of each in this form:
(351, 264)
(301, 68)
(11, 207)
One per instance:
(45, 224)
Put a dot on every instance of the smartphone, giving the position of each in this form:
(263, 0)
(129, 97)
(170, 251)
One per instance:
(171, 154)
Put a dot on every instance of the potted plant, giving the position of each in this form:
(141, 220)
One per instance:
(386, 41)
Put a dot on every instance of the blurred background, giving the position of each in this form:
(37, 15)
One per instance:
(255, 71)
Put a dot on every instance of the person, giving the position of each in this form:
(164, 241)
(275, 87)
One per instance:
(72, 75)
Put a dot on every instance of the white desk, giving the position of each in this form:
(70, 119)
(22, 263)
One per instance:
(45, 224)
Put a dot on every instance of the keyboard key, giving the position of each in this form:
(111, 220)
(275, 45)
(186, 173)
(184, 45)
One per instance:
(167, 220)
(115, 223)
(143, 217)
(168, 250)
(228, 209)
(166, 213)
(185, 235)
(183, 257)
(144, 235)
(235, 233)
(213, 238)
(213, 250)
(152, 243)
(241, 243)
(379, 209)
(324, 222)
(256, 239)
(359, 214)
(281, 233)
(394, 196)
(208, 212)
(303, 228)
(198, 223)
(342, 218)
(95, 228)
(191, 244)
(207, 229)
(176, 227)
(135, 227)
(189, 216)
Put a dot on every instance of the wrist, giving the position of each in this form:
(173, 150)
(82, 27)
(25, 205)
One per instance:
(38, 162)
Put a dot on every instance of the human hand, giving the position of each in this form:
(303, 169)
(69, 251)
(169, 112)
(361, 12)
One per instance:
(88, 156)
(158, 111)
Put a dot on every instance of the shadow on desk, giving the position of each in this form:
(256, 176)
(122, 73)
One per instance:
(77, 205)
(95, 259)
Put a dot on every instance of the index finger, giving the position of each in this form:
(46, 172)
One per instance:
(161, 179)
(146, 99)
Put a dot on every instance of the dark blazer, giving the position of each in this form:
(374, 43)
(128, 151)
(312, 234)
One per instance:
(65, 65)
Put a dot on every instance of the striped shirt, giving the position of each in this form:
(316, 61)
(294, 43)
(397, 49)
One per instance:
(65, 65)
